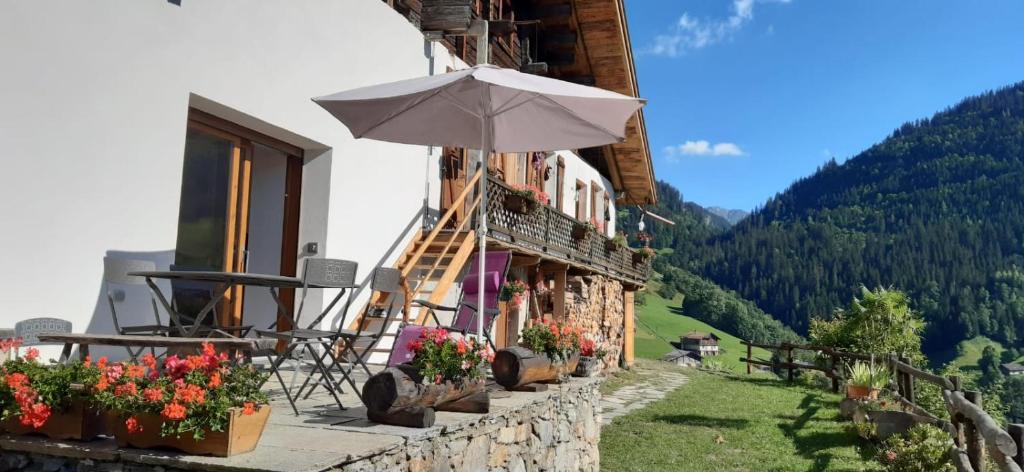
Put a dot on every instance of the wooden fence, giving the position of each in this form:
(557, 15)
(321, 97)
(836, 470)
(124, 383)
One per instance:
(974, 432)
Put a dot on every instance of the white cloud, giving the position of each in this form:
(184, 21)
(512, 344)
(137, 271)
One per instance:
(702, 148)
(691, 33)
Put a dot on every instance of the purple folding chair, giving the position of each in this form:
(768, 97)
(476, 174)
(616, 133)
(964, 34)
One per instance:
(496, 266)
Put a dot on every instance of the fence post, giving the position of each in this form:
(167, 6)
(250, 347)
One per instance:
(749, 355)
(908, 382)
(955, 418)
(1017, 433)
(835, 372)
(975, 441)
(789, 358)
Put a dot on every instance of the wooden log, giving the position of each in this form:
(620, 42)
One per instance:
(789, 360)
(787, 365)
(517, 366)
(750, 354)
(1016, 432)
(975, 440)
(926, 376)
(479, 402)
(989, 430)
(417, 417)
(959, 458)
(398, 394)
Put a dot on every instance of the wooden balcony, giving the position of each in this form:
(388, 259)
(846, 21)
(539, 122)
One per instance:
(547, 232)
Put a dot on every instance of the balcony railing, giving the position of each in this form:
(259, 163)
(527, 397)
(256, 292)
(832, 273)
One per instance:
(549, 232)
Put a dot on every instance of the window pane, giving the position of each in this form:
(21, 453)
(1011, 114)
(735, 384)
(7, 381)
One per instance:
(204, 198)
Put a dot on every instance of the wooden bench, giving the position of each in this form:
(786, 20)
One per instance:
(83, 340)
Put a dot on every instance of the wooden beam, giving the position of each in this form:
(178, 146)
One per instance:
(628, 346)
(557, 58)
(580, 79)
(536, 68)
(524, 261)
(558, 295)
(558, 10)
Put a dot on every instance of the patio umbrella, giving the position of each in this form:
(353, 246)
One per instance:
(488, 108)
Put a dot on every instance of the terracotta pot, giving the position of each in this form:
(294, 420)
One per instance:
(80, 422)
(242, 434)
(860, 392)
(520, 204)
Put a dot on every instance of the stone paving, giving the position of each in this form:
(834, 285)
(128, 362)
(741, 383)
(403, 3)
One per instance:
(638, 395)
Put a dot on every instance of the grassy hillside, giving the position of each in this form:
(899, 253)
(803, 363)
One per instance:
(664, 317)
(726, 422)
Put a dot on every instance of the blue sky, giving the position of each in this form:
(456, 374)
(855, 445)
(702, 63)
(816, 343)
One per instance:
(746, 96)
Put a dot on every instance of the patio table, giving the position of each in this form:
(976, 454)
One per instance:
(222, 281)
(84, 340)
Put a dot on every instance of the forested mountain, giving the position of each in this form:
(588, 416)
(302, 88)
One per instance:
(732, 216)
(936, 209)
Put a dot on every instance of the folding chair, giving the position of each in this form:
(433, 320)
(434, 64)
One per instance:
(30, 329)
(318, 273)
(496, 267)
(356, 345)
(188, 297)
(115, 274)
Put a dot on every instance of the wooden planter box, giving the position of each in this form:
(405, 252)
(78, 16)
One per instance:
(611, 246)
(517, 366)
(587, 367)
(397, 396)
(857, 392)
(80, 423)
(242, 435)
(580, 231)
(520, 204)
(640, 257)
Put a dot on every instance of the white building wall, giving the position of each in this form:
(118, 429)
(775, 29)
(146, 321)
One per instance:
(578, 169)
(92, 129)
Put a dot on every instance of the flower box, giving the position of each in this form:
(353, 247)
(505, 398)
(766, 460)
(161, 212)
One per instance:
(587, 366)
(397, 396)
(518, 366)
(520, 204)
(580, 231)
(642, 255)
(80, 422)
(242, 434)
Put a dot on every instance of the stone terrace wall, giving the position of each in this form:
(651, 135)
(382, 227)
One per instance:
(557, 430)
(596, 304)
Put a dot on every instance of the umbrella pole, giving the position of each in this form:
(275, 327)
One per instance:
(485, 146)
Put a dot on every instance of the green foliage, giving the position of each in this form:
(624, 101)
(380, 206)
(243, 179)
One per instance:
(878, 322)
(55, 385)
(1013, 398)
(924, 449)
(988, 365)
(936, 210)
(713, 364)
(863, 374)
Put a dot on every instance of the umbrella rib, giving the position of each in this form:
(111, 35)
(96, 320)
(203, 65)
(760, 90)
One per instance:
(510, 100)
(402, 111)
(517, 105)
(446, 95)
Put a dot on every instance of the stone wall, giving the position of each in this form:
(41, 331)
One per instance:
(595, 303)
(556, 430)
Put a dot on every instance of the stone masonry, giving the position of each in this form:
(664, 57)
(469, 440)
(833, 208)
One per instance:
(596, 304)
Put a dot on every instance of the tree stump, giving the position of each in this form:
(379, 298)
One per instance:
(516, 367)
(396, 396)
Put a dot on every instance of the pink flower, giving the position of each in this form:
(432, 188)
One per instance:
(890, 455)
(31, 354)
(466, 365)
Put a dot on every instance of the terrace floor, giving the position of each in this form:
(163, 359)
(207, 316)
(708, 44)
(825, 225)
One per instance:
(320, 438)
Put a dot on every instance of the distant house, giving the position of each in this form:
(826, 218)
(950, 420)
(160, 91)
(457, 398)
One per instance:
(706, 344)
(683, 358)
(1012, 368)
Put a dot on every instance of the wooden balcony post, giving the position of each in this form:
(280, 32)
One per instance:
(628, 298)
(559, 293)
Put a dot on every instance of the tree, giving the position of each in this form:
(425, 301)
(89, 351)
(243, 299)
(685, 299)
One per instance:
(1013, 398)
(988, 365)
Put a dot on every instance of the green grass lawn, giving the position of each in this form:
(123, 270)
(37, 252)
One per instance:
(762, 424)
(966, 353)
(665, 317)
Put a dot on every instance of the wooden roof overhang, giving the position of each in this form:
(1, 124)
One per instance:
(587, 41)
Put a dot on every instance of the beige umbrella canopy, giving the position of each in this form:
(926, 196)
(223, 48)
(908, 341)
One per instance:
(488, 108)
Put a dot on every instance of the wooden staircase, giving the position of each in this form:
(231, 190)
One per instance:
(430, 264)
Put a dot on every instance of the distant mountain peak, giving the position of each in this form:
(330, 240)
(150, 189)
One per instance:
(732, 216)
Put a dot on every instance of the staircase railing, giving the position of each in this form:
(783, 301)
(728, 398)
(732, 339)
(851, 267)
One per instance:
(459, 201)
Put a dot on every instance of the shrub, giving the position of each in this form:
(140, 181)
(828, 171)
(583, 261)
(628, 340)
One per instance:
(924, 449)
(439, 357)
(712, 364)
(32, 392)
(879, 322)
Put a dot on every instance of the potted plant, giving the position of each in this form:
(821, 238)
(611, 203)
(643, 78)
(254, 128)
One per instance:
(52, 400)
(581, 229)
(616, 242)
(439, 358)
(201, 404)
(865, 381)
(559, 342)
(590, 358)
(514, 292)
(525, 199)
(642, 255)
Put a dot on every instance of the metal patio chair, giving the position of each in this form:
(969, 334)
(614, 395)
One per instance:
(115, 274)
(320, 273)
(357, 345)
(182, 291)
(496, 267)
(30, 329)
